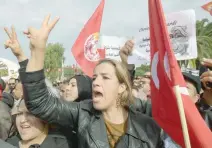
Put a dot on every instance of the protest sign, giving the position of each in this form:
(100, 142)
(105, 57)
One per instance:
(112, 45)
(182, 30)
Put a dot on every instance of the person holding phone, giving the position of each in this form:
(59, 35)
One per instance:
(204, 104)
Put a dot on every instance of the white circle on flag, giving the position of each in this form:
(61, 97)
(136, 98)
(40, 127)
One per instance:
(166, 66)
(154, 70)
(90, 48)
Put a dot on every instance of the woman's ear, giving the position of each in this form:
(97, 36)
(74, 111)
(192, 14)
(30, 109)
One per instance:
(122, 88)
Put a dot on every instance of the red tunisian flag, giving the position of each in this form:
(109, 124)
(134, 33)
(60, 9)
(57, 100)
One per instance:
(165, 75)
(85, 48)
(208, 7)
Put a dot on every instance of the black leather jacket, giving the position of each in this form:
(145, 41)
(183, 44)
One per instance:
(205, 111)
(142, 131)
(51, 141)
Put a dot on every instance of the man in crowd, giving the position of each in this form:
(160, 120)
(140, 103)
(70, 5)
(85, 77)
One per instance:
(193, 85)
(145, 82)
(17, 93)
(6, 103)
(11, 83)
(204, 104)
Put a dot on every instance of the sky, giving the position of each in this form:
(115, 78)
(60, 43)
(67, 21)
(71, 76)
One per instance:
(120, 18)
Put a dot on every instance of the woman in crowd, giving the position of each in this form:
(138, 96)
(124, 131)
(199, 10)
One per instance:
(107, 120)
(15, 47)
(33, 132)
(77, 88)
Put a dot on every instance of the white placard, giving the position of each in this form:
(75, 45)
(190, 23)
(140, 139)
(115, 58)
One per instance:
(112, 45)
(182, 30)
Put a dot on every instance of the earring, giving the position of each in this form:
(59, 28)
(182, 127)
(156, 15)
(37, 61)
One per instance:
(118, 101)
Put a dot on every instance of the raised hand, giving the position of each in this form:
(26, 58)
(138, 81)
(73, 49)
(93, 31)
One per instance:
(39, 37)
(126, 50)
(13, 44)
(206, 77)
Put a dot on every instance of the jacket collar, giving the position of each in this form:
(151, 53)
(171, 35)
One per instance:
(48, 142)
(134, 129)
(88, 106)
(98, 132)
(96, 128)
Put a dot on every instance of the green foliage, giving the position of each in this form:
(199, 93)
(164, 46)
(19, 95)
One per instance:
(141, 70)
(53, 60)
(204, 38)
(3, 72)
(68, 72)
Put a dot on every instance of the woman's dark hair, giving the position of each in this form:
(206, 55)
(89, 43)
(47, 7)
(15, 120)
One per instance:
(84, 85)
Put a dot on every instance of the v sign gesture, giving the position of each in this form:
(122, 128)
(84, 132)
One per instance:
(39, 37)
(14, 45)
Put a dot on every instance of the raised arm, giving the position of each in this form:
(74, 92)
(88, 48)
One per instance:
(44, 104)
(125, 51)
(14, 45)
(38, 39)
(39, 100)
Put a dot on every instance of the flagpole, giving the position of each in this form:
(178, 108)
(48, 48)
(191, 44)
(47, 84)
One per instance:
(182, 116)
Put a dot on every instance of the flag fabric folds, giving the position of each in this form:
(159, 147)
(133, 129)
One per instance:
(165, 75)
(85, 48)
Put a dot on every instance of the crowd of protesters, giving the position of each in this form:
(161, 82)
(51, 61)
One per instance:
(111, 109)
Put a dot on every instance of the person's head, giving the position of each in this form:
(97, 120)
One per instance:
(202, 70)
(136, 82)
(135, 91)
(17, 80)
(2, 84)
(5, 120)
(111, 85)
(29, 127)
(193, 85)
(146, 86)
(2, 87)
(12, 83)
(147, 75)
(59, 83)
(63, 90)
(18, 91)
(79, 88)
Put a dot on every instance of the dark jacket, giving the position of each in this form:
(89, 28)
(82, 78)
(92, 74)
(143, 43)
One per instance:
(5, 121)
(68, 133)
(5, 145)
(142, 131)
(51, 141)
(205, 111)
(143, 106)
